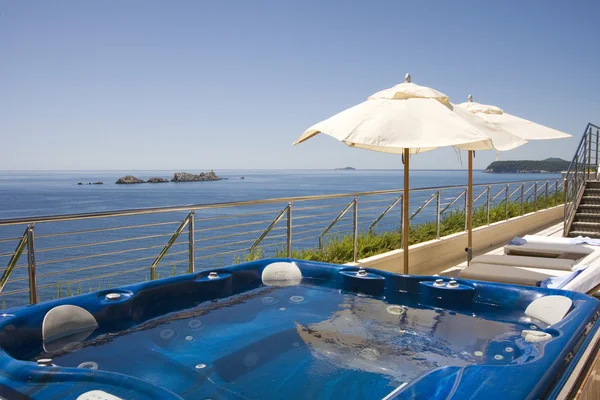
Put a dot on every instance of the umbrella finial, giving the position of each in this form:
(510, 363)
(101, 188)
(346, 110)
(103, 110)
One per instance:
(470, 98)
(407, 78)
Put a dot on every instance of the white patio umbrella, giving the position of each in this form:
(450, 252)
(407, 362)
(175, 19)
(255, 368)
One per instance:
(405, 119)
(517, 127)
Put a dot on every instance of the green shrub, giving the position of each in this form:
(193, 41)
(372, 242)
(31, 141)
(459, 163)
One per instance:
(338, 249)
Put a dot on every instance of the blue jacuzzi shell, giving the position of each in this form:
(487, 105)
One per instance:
(542, 377)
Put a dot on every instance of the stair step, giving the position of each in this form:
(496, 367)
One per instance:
(595, 235)
(590, 200)
(590, 206)
(593, 184)
(589, 225)
(587, 217)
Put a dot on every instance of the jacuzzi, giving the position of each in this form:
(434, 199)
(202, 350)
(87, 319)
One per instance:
(291, 329)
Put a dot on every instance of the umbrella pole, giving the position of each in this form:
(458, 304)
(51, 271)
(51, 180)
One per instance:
(405, 220)
(470, 210)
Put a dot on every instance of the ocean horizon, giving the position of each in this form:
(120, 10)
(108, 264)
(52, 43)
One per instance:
(26, 193)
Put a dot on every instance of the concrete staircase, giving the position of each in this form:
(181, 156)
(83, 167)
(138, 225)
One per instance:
(587, 216)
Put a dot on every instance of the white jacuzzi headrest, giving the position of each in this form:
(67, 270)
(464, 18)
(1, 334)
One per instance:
(72, 323)
(281, 274)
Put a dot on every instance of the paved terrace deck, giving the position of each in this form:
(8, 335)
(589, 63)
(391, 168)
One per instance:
(554, 230)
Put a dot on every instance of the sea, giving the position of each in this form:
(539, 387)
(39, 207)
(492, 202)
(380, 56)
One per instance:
(111, 252)
(37, 193)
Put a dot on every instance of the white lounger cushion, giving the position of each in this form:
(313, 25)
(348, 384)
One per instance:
(578, 241)
(586, 280)
(547, 239)
(524, 261)
(509, 274)
(550, 249)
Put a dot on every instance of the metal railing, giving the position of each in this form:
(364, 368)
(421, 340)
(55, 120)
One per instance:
(583, 168)
(77, 253)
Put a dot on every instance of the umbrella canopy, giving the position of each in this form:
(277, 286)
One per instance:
(406, 116)
(517, 126)
(407, 119)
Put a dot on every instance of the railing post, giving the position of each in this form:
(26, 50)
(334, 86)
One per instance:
(12, 263)
(437, 218)
(352, 204)
(555, 201)
(522, 198)
(535, 190)
(589, 165)
(383, 214)
(31, 265)
(597, 134)
(585, 161)
(506, 202)
(487, 204)
(576, 179)
(289, 230)
(597, 163)
(163, 252)
(546, 190)
(355, 231)
(191, 251)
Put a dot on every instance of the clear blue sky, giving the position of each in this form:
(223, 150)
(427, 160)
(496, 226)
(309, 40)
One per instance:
(231, 84)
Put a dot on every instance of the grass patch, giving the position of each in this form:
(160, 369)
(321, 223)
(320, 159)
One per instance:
(339, 249)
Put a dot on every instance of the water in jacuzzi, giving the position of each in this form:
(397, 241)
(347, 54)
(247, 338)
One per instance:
(305, 341)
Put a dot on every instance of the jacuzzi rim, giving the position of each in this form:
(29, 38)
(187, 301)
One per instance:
(137, 288)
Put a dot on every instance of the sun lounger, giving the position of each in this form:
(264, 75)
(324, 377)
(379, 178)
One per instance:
(546, 249)
(588, 281)
(509, 273)
(560, 264)
(580, 240)
(554, 262)
(583, 279)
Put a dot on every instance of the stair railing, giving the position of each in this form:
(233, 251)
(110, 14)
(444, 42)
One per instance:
(583, 168)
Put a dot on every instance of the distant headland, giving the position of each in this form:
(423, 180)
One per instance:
(177, 177)
(346, 169)
(549, 165)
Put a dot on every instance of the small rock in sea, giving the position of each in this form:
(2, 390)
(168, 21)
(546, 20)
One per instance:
(187, 177)
(242, 177)
(129, 179)
(80, 183)
(98, 183)
(157, 180)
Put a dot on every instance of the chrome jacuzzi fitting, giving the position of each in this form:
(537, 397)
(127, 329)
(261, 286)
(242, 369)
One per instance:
(439, 283)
